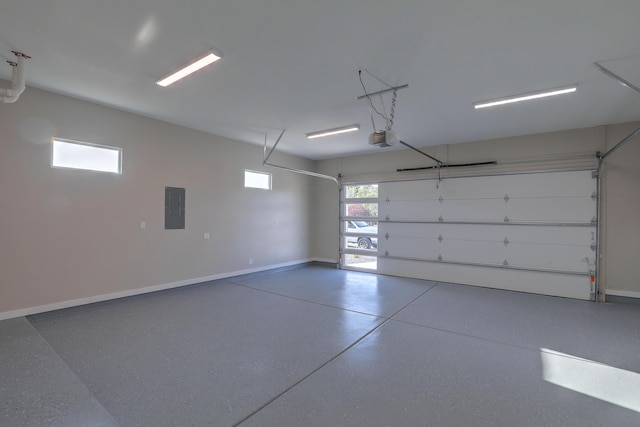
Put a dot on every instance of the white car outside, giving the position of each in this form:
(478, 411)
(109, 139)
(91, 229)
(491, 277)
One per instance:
(364, 241)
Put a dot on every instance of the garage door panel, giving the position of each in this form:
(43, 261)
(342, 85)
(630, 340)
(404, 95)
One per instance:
(551, 184)
(463, 251)
(550, 257)
(569, 286)
(562, 257)
(540, 222)
(573, 209)
(409, 210)
(438, 233)
(551, 210)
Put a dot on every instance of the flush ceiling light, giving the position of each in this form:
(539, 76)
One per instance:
(525, 97)
(335, 131)
(192, 67)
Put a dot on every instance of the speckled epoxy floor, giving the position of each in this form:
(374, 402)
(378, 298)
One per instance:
(320, 346)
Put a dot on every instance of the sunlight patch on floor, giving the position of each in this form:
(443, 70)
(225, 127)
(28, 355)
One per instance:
(617, 386)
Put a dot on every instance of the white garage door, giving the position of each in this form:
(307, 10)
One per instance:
(530, 232)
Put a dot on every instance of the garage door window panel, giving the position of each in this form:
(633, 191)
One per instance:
(359, 226)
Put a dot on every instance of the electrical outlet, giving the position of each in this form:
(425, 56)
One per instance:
(207, 236)
(143, 225)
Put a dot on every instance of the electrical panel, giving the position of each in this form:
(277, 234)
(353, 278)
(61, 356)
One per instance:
(174, 208)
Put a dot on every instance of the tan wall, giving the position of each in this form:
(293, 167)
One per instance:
(621, 216)
(572, 149)
(69, 234)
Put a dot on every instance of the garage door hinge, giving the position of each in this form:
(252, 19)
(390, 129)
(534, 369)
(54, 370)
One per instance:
(505, 263)
(594, 247)
(594, 174)
(386, 218)
(440, 199)
(386, 253)
(594, 196)
(506, 198)
(439, 257)
(386, 236)
(506, 219)
(594, 220)
(440, 219)
(440, 238)
(505, 241)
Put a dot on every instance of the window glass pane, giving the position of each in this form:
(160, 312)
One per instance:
(361, 235)
(361, 261)
(361, 209)
(367, 191)
(78, 155)
(359, 238)
(257, 180)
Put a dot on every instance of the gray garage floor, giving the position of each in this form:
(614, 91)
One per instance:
(317, 346)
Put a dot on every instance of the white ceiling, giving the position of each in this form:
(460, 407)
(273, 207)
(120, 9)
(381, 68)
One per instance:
(294, 64)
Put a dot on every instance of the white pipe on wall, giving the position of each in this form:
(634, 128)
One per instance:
(11, 94)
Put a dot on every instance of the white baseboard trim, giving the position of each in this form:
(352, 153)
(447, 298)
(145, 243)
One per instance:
(139, 291)
(627, 294)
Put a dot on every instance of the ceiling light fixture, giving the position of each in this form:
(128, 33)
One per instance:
(525, 97)
(334, 131)
(190, 68)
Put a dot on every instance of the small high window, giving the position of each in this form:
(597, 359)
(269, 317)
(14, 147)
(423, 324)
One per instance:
(253, 179)
(85, 156)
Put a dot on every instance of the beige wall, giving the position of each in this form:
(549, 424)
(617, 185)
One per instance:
(621, 216)
(571, 149)
(69, 235)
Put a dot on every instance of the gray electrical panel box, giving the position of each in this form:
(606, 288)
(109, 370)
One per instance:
(174, 208)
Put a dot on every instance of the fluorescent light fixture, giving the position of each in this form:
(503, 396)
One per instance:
(335, 131)
(194, 66)
(526, 97)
